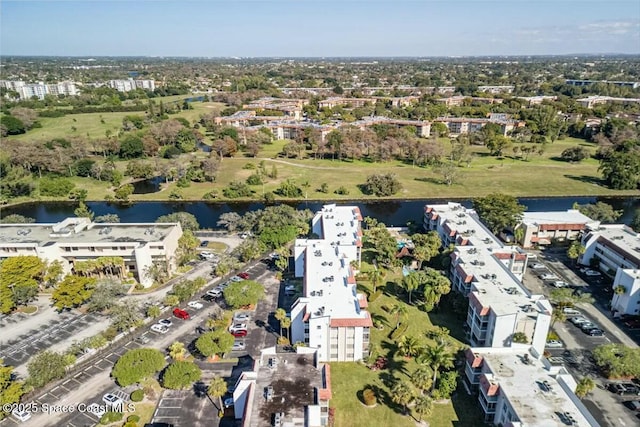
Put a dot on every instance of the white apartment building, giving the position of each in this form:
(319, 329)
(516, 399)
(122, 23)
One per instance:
(79, 239)
(629, 301)
(331, 315)
(496, 89)
(613, 246)
(462, 125)
(131, 84)
(518, 388)
(490, 274)
(40, 90)
(541, 228)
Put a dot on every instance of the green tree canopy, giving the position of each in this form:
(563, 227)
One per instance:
(382, 185)
(180, 375)
(45, 367)
(16, 219)
(426, 246)
(499, 211)
(10, 388)
(187, 221)
(599, 211)
(240, 294)
(19, 278)
(617, 360)
(73, 291)
(621, 167)
(136, 365)
(217, 342)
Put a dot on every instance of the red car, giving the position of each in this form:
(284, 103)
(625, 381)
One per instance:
(244, 276)
(181, 314)
(239, 333)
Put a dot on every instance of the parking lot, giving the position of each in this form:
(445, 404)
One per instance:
(18, 351)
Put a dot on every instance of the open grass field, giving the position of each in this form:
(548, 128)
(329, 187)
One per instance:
(347, 379)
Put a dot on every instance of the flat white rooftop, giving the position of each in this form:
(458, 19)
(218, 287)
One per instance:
(537, 396)
(340, 224)
(570, 216)
(621, 236)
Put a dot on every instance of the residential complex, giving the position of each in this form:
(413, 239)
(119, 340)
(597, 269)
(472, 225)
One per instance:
(541, 228)
(345, 102)
(39, 90)
(518, 388)
(460, 100)
(331, 315)
(490, 274)
(610, 247)
(592, 101)
(140, 245)
(292, 387)
(626, 298)
(633, 85)
(290, 107)
(537, 100)
(131, 84)
(463, 125)
(496, 89)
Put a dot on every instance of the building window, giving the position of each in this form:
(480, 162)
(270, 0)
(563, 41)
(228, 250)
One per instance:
(319, 327)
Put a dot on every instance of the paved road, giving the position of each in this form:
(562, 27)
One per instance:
(605, 406)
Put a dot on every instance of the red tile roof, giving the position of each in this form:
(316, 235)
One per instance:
(364, 322)
(363, 301)
(324, 393)
(351, 279)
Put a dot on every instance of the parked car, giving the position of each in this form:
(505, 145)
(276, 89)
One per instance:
(97, 409)
(634, 405)
(592, 273)
(238, 345)
(268, 392)
(181, 314)
(537, 266)
(161, 329)
(239, 333)
(21, 416)
(165, 322)
(228, 402)
(548, 276)
(278, 419)
(215, 292)
(596, 332)
(578, 320)
(237, 327)
(244, 275)
(559, 284)
(237, 279)
(204, 243)
(241, 317)
(195, 305)
(570, 311)
(225, 285)
(142, 339)
(290, 288)
(207, 255)
(588, 326)
(111, 399)
(624, 388)
(554, 344)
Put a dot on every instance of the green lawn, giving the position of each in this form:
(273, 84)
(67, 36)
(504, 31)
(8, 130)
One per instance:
(347, 379)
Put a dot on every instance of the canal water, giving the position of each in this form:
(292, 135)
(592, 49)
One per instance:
(392, 213)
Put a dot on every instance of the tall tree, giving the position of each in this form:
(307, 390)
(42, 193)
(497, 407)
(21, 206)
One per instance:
(400, 311)
(410, 283)
(423, 407)
(217, 388)
(402, 394)
(499, 211)
(426, 246)
(436, 356)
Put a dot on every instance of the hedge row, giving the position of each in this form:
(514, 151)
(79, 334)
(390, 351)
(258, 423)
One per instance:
(399, 331)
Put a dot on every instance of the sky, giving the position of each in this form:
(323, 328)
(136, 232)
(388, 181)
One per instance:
(318, 28)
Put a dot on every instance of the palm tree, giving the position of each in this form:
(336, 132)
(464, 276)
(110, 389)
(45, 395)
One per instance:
(408, 346)
(423, 407)
(280, 316)
(618, 290)
(584, 386)
(421, 378)
(217, 389)
(557, 315)
(402, 394)
(410, 283)
(575, 251)
(436, 356)
(376, 276)
(401, 311)
(566, 297)
(286, 324)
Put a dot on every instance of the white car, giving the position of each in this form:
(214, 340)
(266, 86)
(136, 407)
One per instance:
(207, 255)
(97, 410)
(592, 273)
(554, 344)
(112, 399)
(215, 292)
(289, 288)
(570, 311)
(161, 329)
(238, 327)
(537, 266)
(241, 317)
(548, 276)
(165, 322)
(559, 284)
(195, 304)
(238, 345)
(22, 416)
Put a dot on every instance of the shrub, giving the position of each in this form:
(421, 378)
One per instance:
(133, 418)
(55, 187)
(137, 396)
(110, 333)
(249, 166)
(254, 179)
(399, 331)
(369, 397)
(374, 296)
(342, 190)
(210, 195)
(111, 417)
